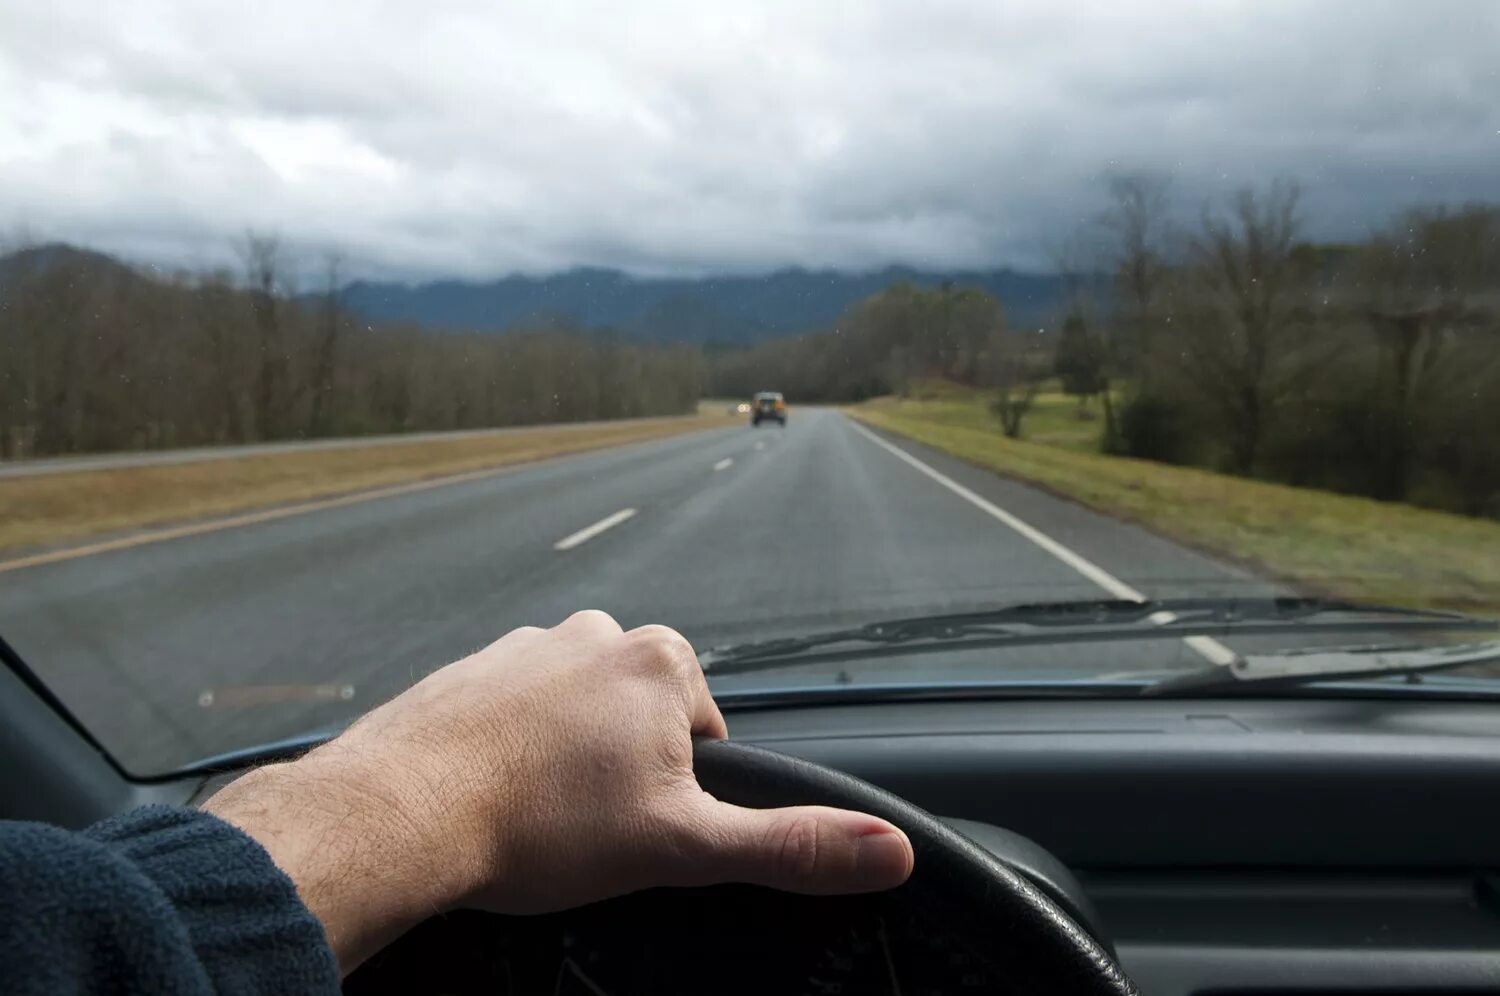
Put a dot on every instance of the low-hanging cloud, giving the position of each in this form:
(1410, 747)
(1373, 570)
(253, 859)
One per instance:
(471, 138)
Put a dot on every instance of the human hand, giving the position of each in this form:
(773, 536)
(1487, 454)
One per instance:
(550, 769)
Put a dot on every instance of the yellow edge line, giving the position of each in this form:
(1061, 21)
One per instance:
(287, 511)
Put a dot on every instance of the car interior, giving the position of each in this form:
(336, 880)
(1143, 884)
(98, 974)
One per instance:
(1332, 842)
(1127, 551)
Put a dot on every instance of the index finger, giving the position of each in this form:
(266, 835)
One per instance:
(708, 721)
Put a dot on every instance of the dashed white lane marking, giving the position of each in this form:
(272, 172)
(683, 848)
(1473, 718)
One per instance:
(724, 464)
(1206, 646)
(760, 446)
(589, 532)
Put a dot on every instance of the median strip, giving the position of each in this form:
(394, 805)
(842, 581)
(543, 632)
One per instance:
(589, 532)
(234, 522)
(164, 502)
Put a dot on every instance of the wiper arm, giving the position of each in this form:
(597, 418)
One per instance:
(1252, 673)
(1096, 620)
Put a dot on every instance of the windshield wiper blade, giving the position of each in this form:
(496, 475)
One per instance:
(1254, 673)
(1089, 620)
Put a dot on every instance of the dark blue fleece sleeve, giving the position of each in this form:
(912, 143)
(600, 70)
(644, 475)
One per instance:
(161, 899)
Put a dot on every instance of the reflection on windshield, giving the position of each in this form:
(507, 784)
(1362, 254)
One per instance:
(309, 386)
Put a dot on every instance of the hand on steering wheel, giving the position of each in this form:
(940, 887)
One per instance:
(557, 767)
(550, 769)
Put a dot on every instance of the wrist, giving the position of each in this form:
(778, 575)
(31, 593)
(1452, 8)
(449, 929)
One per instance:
(364, 863)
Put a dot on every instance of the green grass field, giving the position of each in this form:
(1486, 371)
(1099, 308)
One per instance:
(1322, 542)
(1054, 419)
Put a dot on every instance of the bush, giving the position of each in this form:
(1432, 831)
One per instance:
(1153, 427)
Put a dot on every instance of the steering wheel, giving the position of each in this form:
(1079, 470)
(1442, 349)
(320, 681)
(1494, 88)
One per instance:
(1032, 933)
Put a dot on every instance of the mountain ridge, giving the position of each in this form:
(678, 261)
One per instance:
(714, 309)
(725, 310)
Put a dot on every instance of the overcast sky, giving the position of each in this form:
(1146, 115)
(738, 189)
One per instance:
(472, 138)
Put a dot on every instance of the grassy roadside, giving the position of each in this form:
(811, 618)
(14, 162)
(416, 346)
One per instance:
(53, 509)
(1054, 418)
(1323, 542)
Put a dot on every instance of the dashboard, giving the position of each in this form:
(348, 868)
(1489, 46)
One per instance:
(729, 940)
(1236, 848)
(1262, 847)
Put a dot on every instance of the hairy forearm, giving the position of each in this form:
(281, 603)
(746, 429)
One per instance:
(362, 862)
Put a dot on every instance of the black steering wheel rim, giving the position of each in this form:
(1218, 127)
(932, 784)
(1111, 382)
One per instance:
(988, 906)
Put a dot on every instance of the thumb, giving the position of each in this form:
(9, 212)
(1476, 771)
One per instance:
(809, 849)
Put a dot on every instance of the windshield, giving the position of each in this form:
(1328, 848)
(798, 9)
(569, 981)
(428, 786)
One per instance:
(336, 341)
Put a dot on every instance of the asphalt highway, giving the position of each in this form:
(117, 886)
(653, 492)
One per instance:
(176, 650)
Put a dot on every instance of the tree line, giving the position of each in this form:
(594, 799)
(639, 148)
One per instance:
(95, 356)
(881, 344)
(1233, 343)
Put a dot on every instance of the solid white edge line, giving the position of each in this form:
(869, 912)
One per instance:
(724, 464)
(1206, 646)
(589, 532)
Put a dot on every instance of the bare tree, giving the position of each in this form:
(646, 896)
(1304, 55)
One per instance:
(1083, 356)
(95, 355)
(1082, 262)
(1419, 279)
(219, 312)
(1078, 362)
(965, 319)
(330, 322)
(1246, 352)
(262, 255)
(1137, 225)
(1016, 376)
(19, 346)
(1012, 401)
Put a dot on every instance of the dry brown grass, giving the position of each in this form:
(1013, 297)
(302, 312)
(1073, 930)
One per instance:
(61, 508)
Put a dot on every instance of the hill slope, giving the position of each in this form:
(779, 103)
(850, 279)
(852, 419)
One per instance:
(32, 260)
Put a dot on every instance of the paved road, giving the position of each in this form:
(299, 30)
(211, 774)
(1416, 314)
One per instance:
(729, 535)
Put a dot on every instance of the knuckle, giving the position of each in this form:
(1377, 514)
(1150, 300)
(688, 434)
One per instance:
(665, 650)
(591, 619)
(794, 848)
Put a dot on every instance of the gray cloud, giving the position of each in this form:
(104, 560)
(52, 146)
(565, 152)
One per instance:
(473, 138)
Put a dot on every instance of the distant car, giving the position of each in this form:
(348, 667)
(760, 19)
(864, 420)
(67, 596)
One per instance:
(743, 408)
(768, 406)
